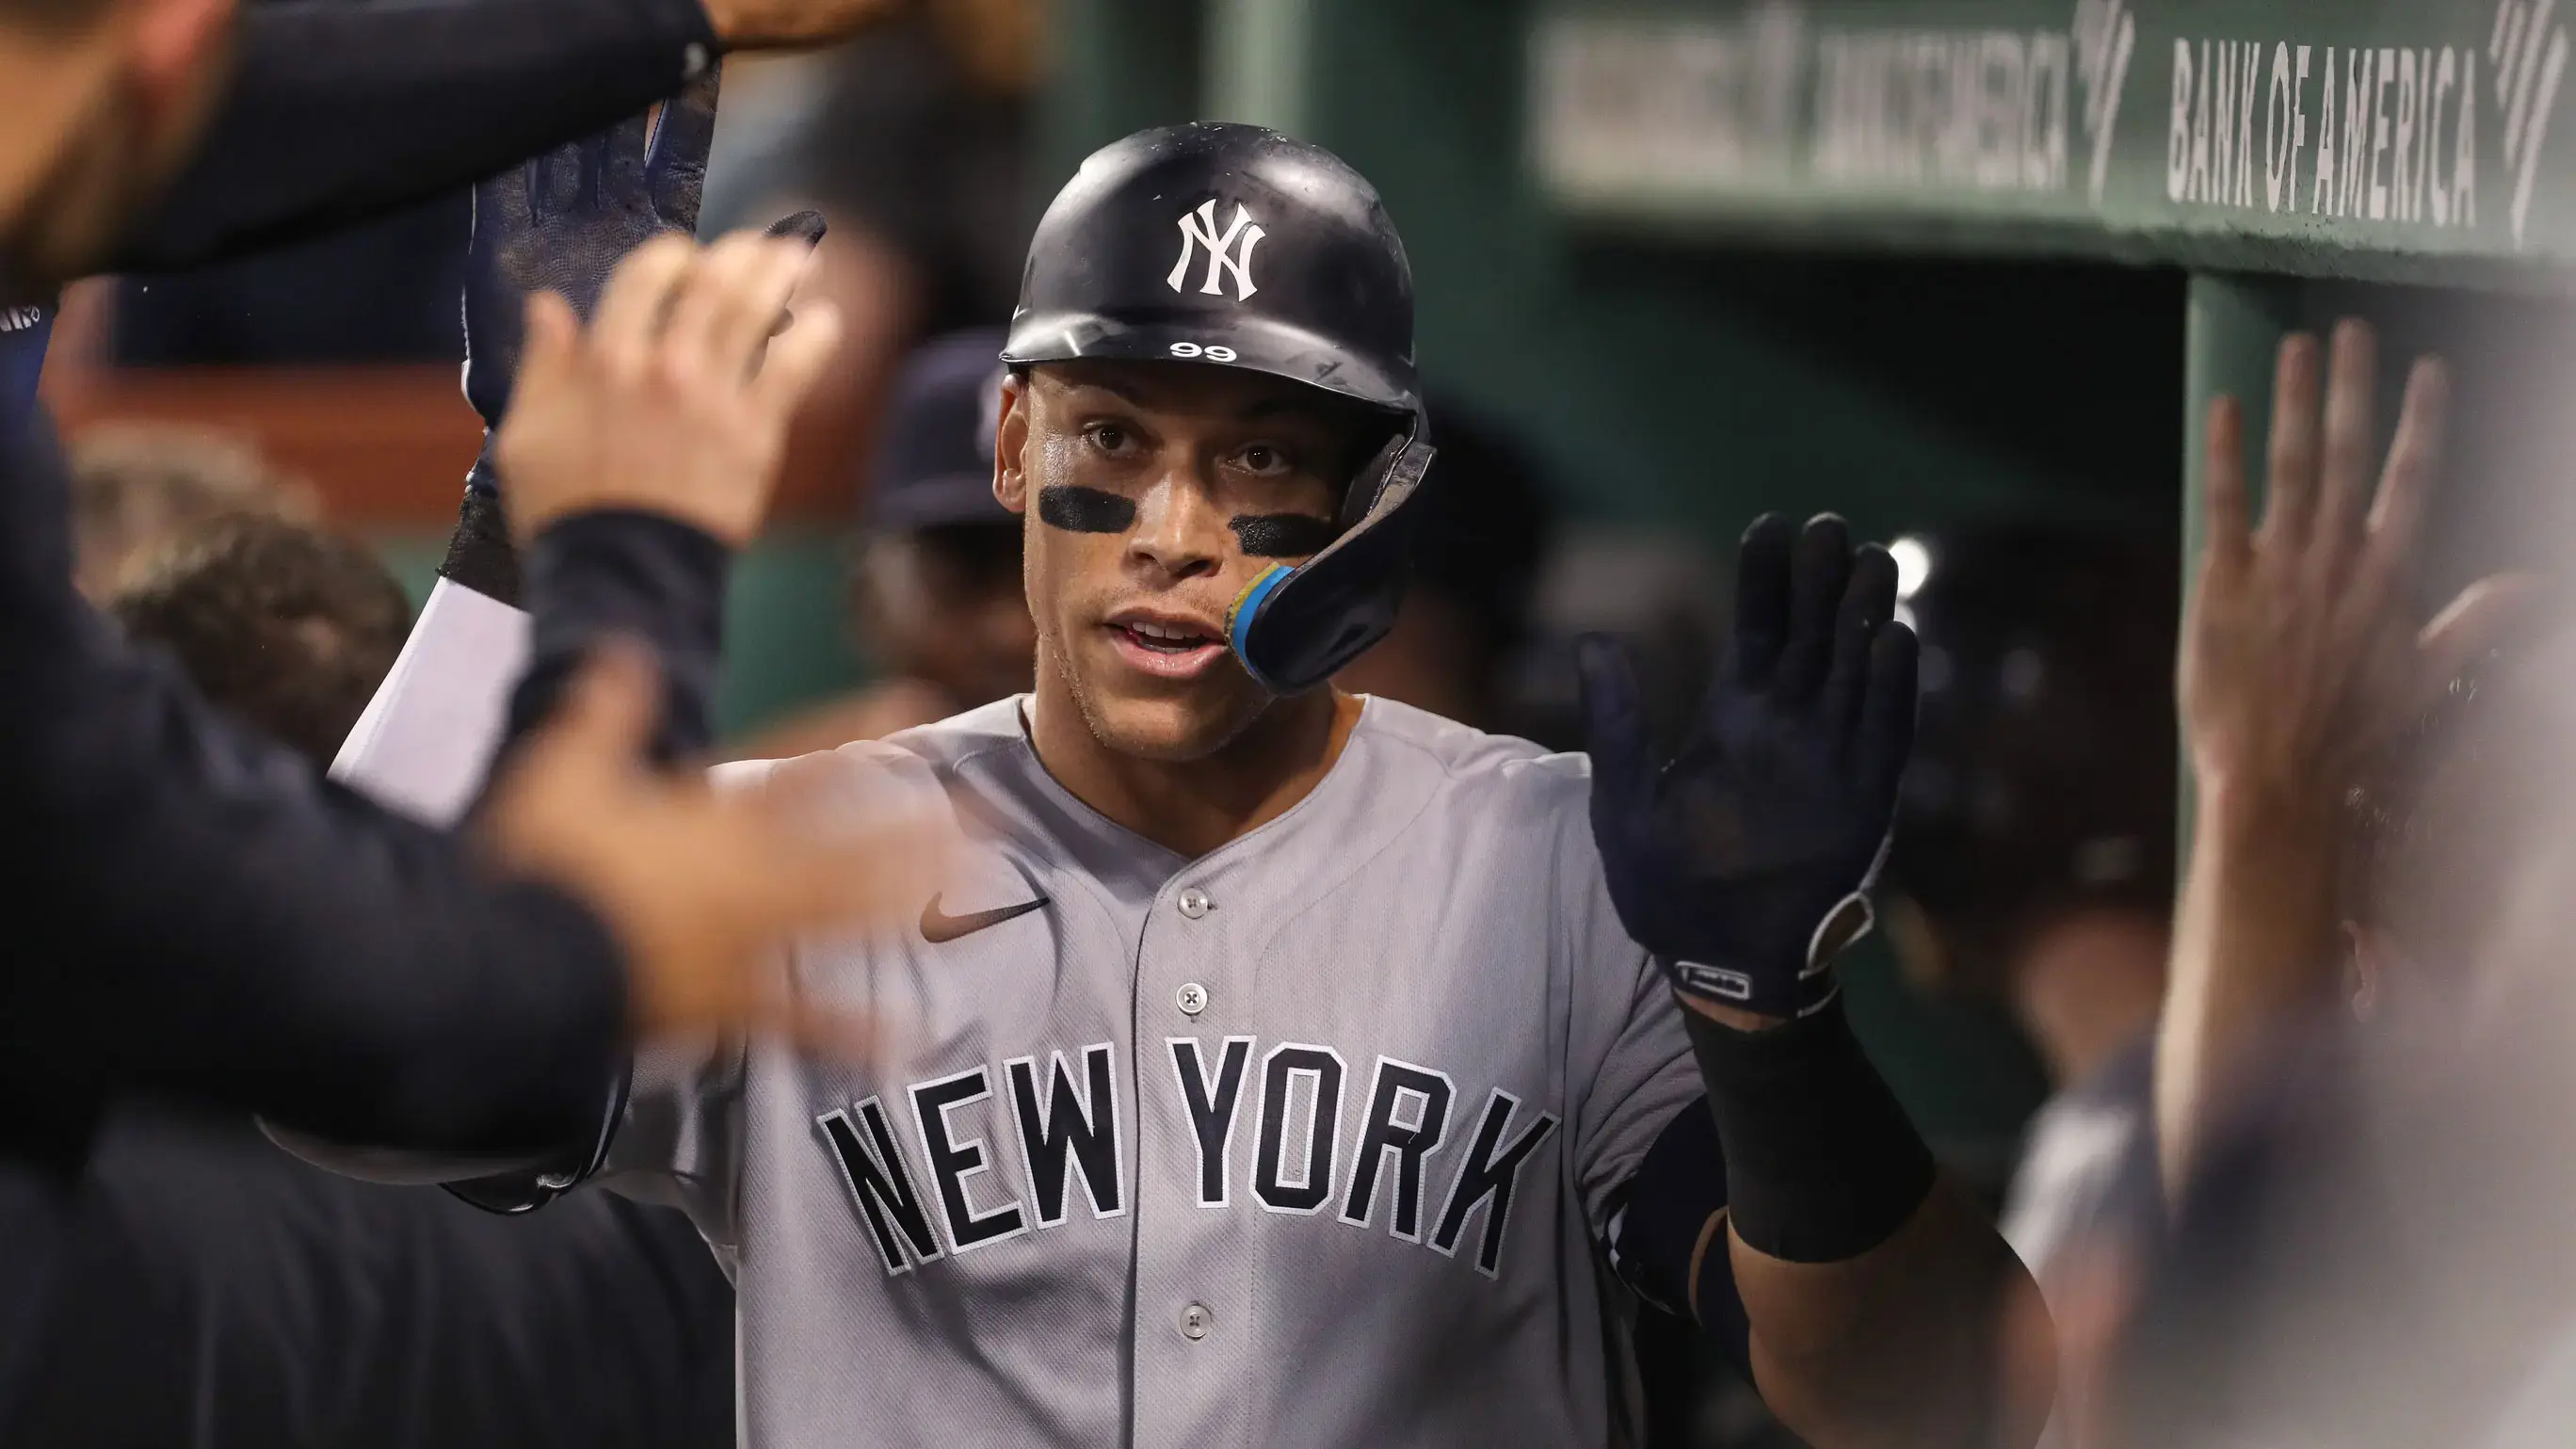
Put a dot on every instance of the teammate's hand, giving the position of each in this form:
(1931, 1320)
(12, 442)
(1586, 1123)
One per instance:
(2301, 653)
(674, 400)
(1744, 864)
(745, 24)
(700, 888)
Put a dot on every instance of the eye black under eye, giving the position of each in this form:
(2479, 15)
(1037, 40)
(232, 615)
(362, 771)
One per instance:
(1281, 535)
(1077, 509)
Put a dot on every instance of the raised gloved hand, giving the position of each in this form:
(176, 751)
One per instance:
(1744, 864)
(561, 223)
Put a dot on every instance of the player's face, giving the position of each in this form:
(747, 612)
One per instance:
(1154, 493)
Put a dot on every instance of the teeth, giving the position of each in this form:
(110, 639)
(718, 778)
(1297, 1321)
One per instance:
(1157, 631)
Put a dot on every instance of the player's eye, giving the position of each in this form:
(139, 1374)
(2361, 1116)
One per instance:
(1265, 460)
(1114, 440)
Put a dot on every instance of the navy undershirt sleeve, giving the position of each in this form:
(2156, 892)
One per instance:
(1656, 1229)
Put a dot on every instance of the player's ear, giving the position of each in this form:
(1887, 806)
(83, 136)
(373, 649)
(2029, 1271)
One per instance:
(1010, 443)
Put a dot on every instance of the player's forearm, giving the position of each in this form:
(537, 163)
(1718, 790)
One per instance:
(478, 671)
(1903, 1344)
(338, 111)
(634, 575)
(1876, 1298)
(2254, 943)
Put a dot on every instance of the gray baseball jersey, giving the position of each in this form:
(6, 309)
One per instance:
(1313, 1140)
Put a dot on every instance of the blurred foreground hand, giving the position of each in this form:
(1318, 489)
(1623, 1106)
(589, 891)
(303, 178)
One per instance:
(673, 400)
(700, 886)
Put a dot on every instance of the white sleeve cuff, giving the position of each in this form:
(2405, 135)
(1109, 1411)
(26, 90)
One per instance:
(426, 740)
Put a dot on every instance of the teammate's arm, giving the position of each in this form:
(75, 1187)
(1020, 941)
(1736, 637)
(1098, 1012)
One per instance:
(338, 111)
(645, 444)
(217, 921)
(1875, 1300)
(2301, 657)
(611, 560)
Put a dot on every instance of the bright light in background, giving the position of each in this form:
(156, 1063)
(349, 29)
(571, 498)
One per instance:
(1913, 565)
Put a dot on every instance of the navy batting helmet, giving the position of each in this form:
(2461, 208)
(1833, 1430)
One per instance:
(1234, 246)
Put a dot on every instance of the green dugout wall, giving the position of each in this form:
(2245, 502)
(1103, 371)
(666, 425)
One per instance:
(1918, 260)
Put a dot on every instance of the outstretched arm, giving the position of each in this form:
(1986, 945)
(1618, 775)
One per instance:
(641, 448)
(340, 110)
(2301, 659)
(615, 557)
(1931, 1334)
(1875, 1301)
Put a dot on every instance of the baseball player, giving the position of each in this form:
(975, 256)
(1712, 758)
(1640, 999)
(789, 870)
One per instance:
(1287, 1067)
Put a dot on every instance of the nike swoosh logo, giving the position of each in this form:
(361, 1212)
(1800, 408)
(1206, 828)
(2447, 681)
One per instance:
(938, 929)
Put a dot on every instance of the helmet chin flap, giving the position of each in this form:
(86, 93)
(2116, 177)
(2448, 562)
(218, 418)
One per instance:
(1294, 628)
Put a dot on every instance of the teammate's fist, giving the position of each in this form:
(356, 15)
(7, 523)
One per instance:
(1744, 863)
(674, 400)
(698, 886)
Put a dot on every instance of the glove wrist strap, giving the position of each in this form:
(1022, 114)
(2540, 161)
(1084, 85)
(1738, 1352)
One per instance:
(480, 555)
(1779, 989)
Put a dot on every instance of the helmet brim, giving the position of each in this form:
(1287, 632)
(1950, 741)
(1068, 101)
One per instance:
(1253, 344)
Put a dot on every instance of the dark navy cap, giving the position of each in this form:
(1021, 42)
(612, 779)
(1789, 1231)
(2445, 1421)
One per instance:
(934, 460)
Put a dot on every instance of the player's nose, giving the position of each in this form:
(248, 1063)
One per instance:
(1178, 534)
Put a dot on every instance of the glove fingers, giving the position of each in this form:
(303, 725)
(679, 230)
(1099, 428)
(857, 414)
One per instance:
(1614, 723)
(1818, 575)
(601, 158)
(620, 156)
(1761, 601)
(510, 200)
(1885, 739)
(546, 184)
(1869, 601)
(676, 172)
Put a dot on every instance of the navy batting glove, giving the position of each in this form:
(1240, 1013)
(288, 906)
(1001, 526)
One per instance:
(562, 222)
(1744, 863)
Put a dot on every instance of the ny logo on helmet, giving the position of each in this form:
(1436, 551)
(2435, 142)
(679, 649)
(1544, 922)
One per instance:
(1198, 229)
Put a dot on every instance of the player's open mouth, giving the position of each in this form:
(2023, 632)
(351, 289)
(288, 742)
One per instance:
(1171, 649)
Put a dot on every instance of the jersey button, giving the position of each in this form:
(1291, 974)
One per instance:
(1191, 998)
(1196, 1321)
(1194, 903)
